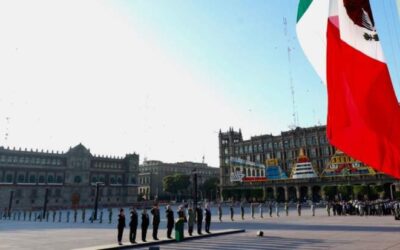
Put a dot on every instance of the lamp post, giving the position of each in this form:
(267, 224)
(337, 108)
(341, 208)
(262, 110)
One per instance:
(46, 194)
(96, 201)
(10, 203)
(194, 172)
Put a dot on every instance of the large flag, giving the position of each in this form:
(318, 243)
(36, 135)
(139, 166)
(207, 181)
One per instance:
(363, 111)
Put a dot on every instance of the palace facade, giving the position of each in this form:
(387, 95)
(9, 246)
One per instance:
(69, 177)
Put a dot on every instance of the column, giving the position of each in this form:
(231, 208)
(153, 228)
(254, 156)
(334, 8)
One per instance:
(323, 195)
(309, 193)
(297, 192)
(264, 193)
(274, 192)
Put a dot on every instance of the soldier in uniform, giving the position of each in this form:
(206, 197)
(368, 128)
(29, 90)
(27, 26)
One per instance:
(145, 224)
(287, 208)
(155, 211)
(220, 212)
(232, 211)
(133, 226)
(208, 218)
(299, 208)
(170, 221)
(191, 220)
(121, 225)
(242, 209)
(199, 215)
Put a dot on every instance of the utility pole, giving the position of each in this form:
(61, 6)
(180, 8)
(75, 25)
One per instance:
(46, 194)
(10, 203)
(195, 187)
(96, 202)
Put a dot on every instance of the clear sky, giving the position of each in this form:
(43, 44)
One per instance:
(158, 77)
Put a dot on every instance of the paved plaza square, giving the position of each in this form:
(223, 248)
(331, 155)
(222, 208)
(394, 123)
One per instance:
(284, 232)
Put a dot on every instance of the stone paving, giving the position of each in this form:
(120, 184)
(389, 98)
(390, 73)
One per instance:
(292, 232)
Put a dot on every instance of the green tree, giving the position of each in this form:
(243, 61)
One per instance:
(330, 192)
(360, 191)
(346, 191)
(177, 184)
(209, 187)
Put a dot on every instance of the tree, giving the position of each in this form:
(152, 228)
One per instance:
(360, 191)
(177, 184)
(330, 192)
(209, 187)
(346, 191)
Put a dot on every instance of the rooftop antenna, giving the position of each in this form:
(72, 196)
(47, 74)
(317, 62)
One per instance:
(289, 50)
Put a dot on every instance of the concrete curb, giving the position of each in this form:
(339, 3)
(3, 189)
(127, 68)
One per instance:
(162, 242)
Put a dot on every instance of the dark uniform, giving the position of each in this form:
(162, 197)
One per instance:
(156, 221)
(145, 225)
(121, 226)
(170, 222)
(133, 226)
(199, 214)
(208, 220)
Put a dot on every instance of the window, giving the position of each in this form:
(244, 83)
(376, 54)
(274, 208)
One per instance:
(112, 180)
(41, 179)
(59, 179)
(133, 180)
(101, 178)
(21, 178)
(94, 179)
(50, 179)
(9, 178)
(77, 179)
(119, 180)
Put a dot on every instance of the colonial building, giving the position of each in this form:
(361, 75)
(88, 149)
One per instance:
(284, 147)
(152, 173)
(69, 177)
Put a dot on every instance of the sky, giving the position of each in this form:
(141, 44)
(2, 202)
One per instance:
(159, 78)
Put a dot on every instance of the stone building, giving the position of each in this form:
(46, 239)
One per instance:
(70, 178)
(152, 173)
(284, 147)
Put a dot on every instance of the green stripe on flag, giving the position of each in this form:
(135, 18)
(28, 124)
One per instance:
(303, 6)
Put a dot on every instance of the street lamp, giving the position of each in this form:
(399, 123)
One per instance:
(194, 172)
(96, 202)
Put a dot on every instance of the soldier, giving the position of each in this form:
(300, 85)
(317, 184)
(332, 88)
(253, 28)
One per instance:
(261, 210)
(145, 224)
(59, 216)
(208, 218)
(270, 208)
(121, 225)
(54, 216)
(133, 226)
(101, 216)
(191, 220)
(30, 215)
(19, 215)
(83, 215)
(47, 216)
(252, 209)
(24, 215)
(299, 208)
(170, 221)
(68, 213)
(287, 208)
(155, 211)
(232, 211)
(75, 215)
(277, 208)
(220, 212)
(199, 215)
(328, 208)
(110, 215)
(242, 209)
(313, 209)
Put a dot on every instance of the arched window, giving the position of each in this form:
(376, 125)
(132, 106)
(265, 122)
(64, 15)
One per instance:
(112, 180)
(253, 173)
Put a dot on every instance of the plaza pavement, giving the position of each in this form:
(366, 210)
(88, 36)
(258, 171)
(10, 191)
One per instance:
(292, 232)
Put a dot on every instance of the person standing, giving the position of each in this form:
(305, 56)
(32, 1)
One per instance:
(242, 209)
(121, 225)
(328, 208)
(252, 210)
(313, 209)
(232, 211)
(261, 210)
(182, 216)
(277, 208)
(287, 208)
(299, 208)
(270, 208)
(133, 226)
(170, 221)
(191, 220)
(208, 218)
(145, 224)
(220, 212)
(155, 211)
(199, 215)
(110, 215)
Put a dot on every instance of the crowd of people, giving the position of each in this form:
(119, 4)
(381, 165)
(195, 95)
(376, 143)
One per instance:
(185, 214)
(363, 208)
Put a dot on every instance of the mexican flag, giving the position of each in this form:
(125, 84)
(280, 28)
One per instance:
(363, 111)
